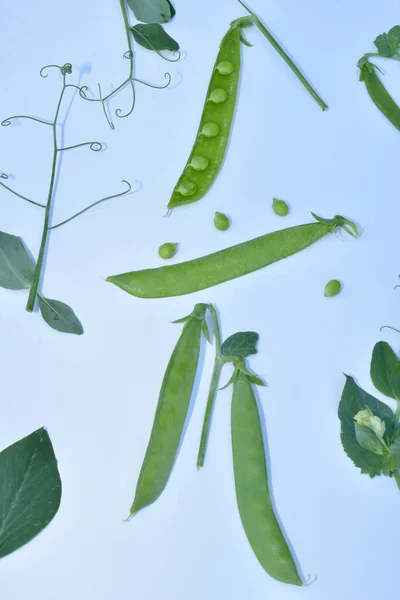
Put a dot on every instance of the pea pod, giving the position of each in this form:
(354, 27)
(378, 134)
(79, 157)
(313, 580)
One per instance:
(251, 482)
(218, 267)
(172, 408)
(379, 94)
(212, 137)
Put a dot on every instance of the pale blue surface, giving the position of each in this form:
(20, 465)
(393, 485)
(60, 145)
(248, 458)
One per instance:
(97, 394)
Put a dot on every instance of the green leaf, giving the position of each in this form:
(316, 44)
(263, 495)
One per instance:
(172, 9)
(59, 316)
(206, 331)
(354, 399)
(16, 266)
(392, 461)
(369, 441)
(30, 490)
(153, 37)
(394, 34)
(387, 44)
(385, 370)
(240, 344)
(256, 380)
(151, 11)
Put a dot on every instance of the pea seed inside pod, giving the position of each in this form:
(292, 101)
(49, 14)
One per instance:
(187, 188)
(210, 130)
(225, 67)
(218, 96)
(199, 163)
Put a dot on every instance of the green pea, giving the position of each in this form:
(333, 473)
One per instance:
(218, 96)
(280, 207)
(187, 188)
(171, 412)
(332, 288)
(225, 67)
(221, 221)
(167, 250)
(229, 263)
(252, 487)
(199, 163)
(210, 130)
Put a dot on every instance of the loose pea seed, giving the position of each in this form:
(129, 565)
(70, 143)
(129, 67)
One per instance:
(332, 288)
(187, 188)
(225, 67)
(210, 130)
(199, 163)
(218, 96)
(221, 221)
(280, 207)
(167, 250)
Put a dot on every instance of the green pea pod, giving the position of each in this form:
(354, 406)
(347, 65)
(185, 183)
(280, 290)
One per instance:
(218, 267)
(172, 408)
(379, 94)
(209, 149)
(251, 481)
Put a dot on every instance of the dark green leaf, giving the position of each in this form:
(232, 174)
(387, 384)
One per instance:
(153, 37)
(16, 266)
(30, 490)
(386, 45)
(392, 460)
(59, 316)
(151, 11)
(394, 34)
(354, 399)
(368, 440)
(172, 9)
(385, 370)
(240, 344)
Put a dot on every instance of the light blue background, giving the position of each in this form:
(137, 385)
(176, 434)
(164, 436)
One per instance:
(97, 394)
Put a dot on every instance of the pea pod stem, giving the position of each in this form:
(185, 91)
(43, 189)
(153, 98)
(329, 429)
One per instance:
(285, 57)
(218, 364)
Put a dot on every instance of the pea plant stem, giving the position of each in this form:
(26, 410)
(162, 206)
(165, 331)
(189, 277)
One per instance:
(218, 364)
(39, 265)
(285, 57)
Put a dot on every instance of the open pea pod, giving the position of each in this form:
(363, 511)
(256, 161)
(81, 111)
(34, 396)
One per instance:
(208, 152)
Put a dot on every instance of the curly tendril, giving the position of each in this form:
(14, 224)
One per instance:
(7, 122)
(5, 176)
(94, 146)
(167, 76)
(65, 69)
(118, 112)
(98, 202)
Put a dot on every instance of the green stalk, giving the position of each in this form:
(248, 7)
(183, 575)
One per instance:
(218, 363)
(285, 57)
(39, 265)
(397, 478)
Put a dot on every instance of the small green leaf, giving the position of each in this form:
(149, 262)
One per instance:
(369, 441)
(256, 380)
(366, 418)
(394, 34)
(151, 11)
(391, 462)
(16, 266)
(206, 331)
(59, 316)
(233, 379)
(386, 45)
(172, 9)
(385, 370)
(354, 399)
(30, 490)
(153, 37)
(240, 344)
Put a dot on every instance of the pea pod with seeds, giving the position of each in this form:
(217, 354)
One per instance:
(212, 137)
(172, 408)
(230, 263)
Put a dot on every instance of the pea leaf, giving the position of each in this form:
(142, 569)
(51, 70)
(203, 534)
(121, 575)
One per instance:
(30, 490)
(240, 344)
(59, 316)
(151, 11)
(172, 9)
(153, 37)
(16, 266)
(368, 440)
(388, 44)
(354, 399)
(385, 370)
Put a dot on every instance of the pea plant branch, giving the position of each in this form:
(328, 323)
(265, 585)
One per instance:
(251, 479)
(17, 269)
(151, 36)
(388, 47)
(370, 430)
